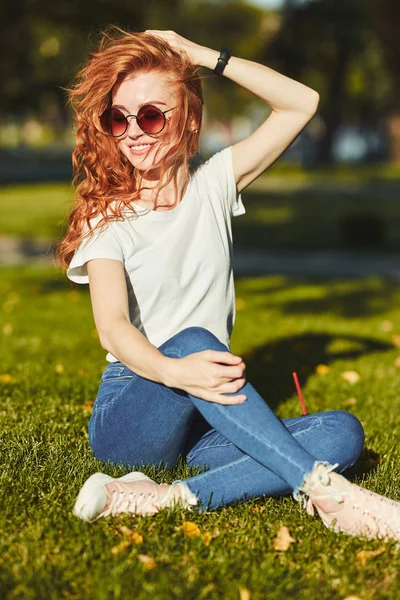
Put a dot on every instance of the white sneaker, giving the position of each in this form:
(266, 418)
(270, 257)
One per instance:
(134, 493)
(349, 508)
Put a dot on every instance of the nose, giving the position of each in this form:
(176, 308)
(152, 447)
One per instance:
(133, 129)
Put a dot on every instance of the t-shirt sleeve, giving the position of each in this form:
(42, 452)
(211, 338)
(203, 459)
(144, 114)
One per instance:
(103, 243)
(220, 175)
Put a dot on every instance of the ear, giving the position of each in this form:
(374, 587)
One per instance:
(193, 125)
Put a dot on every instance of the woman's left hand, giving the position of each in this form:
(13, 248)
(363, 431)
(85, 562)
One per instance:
(178, 42)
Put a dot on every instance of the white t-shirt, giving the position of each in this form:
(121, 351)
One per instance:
(178, 262)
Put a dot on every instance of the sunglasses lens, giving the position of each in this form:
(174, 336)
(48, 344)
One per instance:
(150, 119)
(113, 122)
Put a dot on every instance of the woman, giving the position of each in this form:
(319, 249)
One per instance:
(152, 237)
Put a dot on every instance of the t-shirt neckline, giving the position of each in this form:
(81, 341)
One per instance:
(163, 215)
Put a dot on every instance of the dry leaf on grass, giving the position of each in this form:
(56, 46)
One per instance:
(244, 593)
(283, 540)
(121, 547)
(387, 325)
(240, 303)
(190, 528)
(350, 401)
(364, 555)
(396, 340)
(208, 537)
(147, 561)
(134, 536)
(59, 368)
(7, 378)
(322, 369)
(350, 376)
(352, 598)
(8, 329)
(397, 362)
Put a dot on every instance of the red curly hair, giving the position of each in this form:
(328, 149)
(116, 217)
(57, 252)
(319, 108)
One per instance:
(102, 174)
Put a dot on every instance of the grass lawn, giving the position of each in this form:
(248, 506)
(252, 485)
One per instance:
(350, 210)
(51, 362)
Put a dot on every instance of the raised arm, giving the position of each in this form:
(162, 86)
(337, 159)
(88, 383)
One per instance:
(293, 104)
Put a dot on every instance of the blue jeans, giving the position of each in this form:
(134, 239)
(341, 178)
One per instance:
(248, 452)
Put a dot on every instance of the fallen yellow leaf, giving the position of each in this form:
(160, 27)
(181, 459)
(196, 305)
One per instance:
(8, 329)
(190, 528)
(351, 377)
(387, 325)
(397, 362)
(147, 561)
(364, 555)
(121, 547)
(350, 402)
(396, 340)
(322, 369)
(133, 535)
(136, 537)
(240, 303)
(352, 598)
(88, 406)
(207, 537)
(59, 368)
(7, 378)
(244, 593)
(283, 540)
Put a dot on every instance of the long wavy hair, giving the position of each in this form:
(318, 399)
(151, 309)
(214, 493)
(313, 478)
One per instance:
(104, 181)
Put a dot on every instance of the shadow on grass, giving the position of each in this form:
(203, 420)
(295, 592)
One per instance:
(270, 367)
(365, 217)
(368, 300)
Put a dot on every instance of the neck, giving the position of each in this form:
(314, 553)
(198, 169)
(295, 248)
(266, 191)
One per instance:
(171, 193)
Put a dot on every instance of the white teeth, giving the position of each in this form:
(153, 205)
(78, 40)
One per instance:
(142, 147)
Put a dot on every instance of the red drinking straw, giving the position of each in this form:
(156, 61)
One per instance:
(300, 394)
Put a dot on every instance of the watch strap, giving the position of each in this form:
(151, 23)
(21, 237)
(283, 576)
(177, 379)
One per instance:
(222, 61)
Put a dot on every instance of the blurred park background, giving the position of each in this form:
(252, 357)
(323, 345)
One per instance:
(317, 261)
(335, 188)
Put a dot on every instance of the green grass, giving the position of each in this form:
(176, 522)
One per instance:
(35, 211)
(51, 362)
(301, 211)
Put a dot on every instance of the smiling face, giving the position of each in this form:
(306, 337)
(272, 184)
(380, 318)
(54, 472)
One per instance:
(144, 150)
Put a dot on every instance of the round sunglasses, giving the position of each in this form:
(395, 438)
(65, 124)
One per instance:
(150, 119)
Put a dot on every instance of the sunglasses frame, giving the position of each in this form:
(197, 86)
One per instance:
(145, 106)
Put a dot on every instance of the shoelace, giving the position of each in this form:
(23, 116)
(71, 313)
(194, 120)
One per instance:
(123, 502)
(319, 478)
(387, 524)
(391, 523)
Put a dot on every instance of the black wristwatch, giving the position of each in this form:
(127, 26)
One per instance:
(222, 61)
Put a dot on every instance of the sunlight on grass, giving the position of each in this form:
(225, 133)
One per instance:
(51, 363)
(35, 211)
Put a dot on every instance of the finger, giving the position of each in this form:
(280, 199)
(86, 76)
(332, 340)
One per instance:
(223, 357)
(229, 373)
(232, 387)
(229, 400)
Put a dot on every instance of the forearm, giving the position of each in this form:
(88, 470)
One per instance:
(133, 349)
(278, 91)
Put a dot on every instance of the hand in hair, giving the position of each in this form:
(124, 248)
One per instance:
(176, 41)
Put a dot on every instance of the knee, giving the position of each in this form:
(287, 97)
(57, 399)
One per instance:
(192, 339)
(350, 436)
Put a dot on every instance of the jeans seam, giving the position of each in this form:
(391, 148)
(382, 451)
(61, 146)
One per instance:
(272, 447)
(312, 424)
(191, 454)
(221, 468)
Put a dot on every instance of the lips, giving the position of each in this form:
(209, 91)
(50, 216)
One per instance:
(139, 149)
